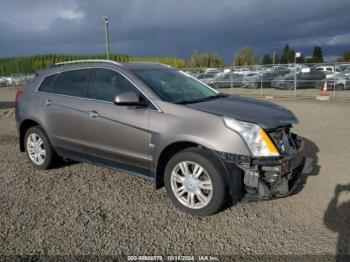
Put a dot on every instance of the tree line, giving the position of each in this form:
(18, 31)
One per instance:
(31, 64)
(288, 56)
(245, 57)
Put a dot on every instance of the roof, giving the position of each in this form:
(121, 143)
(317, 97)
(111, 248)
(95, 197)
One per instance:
(96, 63)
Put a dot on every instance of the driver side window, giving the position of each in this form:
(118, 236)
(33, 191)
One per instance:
(108, 84)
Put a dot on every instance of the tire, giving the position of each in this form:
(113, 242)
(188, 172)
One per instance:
(213, 188)
(289, 86)
(36, 144)
(340, 87)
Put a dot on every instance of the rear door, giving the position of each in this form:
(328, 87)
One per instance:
(117, 136)
(63, 98)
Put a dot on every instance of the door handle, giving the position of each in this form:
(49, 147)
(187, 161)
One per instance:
(93, 114)
(48, 102)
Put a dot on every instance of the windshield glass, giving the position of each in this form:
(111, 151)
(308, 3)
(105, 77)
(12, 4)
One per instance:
(173, 86)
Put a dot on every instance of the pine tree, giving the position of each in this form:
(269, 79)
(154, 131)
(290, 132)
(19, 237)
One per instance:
(267, 60)
(288, 55)
(317, 56)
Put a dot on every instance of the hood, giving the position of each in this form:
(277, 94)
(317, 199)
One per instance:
(266, 114)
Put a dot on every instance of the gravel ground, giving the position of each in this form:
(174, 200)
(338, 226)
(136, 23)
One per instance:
(84, 209)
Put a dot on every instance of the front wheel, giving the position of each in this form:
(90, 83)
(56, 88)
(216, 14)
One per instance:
(194, 182)
(290, 85)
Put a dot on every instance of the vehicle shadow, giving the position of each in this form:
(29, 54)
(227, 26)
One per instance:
(337, 219)
(64, 163)
(6, 105)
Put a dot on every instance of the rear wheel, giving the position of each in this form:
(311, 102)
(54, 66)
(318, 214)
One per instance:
(38, 149)
(194, 182)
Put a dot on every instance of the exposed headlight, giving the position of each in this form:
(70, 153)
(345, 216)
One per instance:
(257, 140)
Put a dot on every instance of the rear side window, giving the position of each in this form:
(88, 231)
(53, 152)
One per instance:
(46, 85)
(108, 84)
(72, 83)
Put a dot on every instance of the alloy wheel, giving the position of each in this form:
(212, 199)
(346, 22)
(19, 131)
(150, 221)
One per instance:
(36, 149)
(191, 185)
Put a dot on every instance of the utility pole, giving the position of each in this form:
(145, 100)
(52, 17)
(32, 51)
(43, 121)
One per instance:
(108, 50)
(273, 58)
(297, 54)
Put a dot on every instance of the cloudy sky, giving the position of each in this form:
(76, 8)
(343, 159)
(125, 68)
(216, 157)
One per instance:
(173, 27)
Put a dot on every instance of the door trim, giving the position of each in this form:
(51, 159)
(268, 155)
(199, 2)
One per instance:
(128, 168)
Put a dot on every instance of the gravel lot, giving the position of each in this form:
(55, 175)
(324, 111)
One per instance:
(83, 209)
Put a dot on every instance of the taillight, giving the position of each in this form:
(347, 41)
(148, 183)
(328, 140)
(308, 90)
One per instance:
(18, 95)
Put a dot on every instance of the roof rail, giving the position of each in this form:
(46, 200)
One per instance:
(86, 61)
(146, 62)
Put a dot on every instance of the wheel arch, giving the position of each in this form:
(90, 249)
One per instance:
(165, 156)
(24, 126)
(232, 173)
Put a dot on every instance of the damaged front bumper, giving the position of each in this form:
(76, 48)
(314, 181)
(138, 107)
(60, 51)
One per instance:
(270, 177)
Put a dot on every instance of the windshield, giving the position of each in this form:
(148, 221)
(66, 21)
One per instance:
(173, 86)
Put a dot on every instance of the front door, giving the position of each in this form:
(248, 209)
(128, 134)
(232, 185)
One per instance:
(118, 136)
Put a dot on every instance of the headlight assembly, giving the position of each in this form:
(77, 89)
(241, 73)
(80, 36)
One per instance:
(257, 140)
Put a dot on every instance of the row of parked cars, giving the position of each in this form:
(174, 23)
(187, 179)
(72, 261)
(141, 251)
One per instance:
(6, 81)
(279, 77)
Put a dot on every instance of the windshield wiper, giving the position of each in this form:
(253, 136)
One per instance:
(184, 102)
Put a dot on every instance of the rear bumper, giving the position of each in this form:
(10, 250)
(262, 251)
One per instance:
(266, 178)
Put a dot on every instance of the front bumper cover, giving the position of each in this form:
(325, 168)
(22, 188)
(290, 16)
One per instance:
(270, 177)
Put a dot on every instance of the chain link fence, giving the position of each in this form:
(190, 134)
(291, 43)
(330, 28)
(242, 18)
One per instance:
(280, 80)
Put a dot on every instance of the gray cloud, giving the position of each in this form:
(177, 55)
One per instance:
(173, 28)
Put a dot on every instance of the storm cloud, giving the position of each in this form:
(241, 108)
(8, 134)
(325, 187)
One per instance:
(173, 28)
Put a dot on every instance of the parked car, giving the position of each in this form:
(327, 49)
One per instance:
(280, 68)
(226, 80)
(206, 77)
(242, 70)
(212, 71)
(333, 69)
(303, 80)
(160, 124)
(255, 80)
(347, 71)
(339, 81)
(3, 82)
(329, 74)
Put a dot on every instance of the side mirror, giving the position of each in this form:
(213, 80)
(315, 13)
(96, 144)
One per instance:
(129, 99)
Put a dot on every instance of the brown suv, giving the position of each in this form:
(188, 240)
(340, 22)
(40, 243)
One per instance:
(155, 122)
